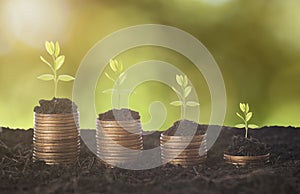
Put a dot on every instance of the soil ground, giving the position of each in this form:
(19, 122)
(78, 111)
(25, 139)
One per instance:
(56, 106)
(18, 174)
(241, 146)
(119, 115)
(180, 128)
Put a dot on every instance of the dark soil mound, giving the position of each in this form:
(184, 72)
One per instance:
(186, 128)
(19, 174)
(242, 146)
(119, 115)
(56, 106)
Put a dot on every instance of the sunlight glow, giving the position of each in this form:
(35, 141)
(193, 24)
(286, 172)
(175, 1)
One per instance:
(34, 21)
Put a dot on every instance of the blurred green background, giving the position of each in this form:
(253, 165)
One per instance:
(255, 43)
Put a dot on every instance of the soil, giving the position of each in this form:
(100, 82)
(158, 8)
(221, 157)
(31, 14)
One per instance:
(19, 174)
(242, 146)
(186, 128)
(56, 106)
(119, 114)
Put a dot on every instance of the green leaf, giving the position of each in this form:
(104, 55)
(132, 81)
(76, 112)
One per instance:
(65, 78)
(46, 77)
(253, 126)
(242, 107)
(44, 60)
(52, 46)
(49, 48)
(59, 62)
(240, 126)
(192, 103)
(247, 108)
(120, 66)
(116, 64)
(176, 103)
(108, 90)
(57, 49)
(249, 116)
(179, 79)
(187, 91)
(122, 78)
(238, 114)
(112, 64)
(185, 81)
(106, 74)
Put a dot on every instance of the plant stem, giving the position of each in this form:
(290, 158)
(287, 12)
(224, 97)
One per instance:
(119, 95)
(183, 111)
(55, 84)
(246, 126)
(246, 135)
(55, 77)
(183, 103)
(119, 99)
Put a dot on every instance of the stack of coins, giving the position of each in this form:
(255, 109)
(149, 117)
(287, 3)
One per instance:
(56, 138)
(182, 150)
(243, 160)
(119, 141)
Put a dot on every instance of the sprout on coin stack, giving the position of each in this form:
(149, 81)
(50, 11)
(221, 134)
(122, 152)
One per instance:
(244, 150)
(119, 131)
(56, 121)
(185, 142)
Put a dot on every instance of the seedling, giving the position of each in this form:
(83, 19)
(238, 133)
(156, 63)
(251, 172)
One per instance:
(183, 93)
(246, 116)
(120, 76)
(58, 60)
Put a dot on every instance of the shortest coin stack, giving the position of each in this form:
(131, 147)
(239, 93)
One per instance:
(56, 138)
(183, 150)
(243, 160)
(119, 141)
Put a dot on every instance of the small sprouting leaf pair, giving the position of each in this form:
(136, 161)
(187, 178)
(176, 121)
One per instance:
(182, 80)
(117, 67)
(184, 92)
(54, 51)
(247, 115)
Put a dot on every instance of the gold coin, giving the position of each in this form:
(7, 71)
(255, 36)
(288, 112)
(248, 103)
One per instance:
(180, 147)
(55, 161)
(47, 131)
(182, 138)
(56, 143)
(119, 148)
(55, 136)
(124, 137)
(242, 160)
(119, 140)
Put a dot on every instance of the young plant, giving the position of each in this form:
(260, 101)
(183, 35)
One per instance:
(120, 76)
(183, 93)
(246, 116)
(57, 62)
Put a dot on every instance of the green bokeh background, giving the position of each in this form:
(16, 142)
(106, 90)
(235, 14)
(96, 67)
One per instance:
(255, 43)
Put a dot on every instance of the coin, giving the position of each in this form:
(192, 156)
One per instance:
(119, 141)
(186, 151)
(243, 160)
(56, 138)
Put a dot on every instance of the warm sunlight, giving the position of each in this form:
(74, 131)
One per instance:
(33, 21)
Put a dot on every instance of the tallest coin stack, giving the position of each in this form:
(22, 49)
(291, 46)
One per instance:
(56, 138)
